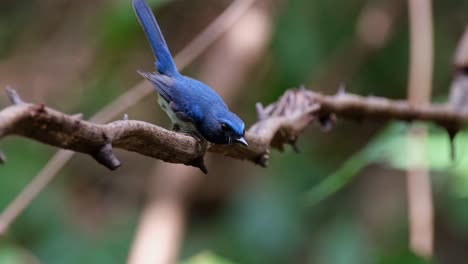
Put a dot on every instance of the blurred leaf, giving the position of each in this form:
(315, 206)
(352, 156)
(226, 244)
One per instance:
(375, 150)
(206, 258)
(437, 155)
(389, 148)
(339, 179)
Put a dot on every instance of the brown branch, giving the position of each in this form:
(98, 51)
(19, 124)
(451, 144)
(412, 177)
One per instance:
(279, 123)
(359, 107)
(57, 129)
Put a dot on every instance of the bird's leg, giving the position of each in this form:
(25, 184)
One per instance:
(195, 135)
(176, 127)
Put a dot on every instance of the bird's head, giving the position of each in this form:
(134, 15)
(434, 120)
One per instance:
(224, 128)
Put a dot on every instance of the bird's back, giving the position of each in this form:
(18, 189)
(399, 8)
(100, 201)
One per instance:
(201, 94)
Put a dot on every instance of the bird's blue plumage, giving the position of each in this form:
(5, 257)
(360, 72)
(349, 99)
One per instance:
(191, 105)
(164, 62)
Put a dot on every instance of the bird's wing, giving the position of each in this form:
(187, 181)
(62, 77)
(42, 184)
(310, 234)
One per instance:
(162, 83)
(180, 113)
(177, 97)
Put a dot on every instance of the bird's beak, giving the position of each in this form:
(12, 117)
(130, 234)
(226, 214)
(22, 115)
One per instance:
(242, 141)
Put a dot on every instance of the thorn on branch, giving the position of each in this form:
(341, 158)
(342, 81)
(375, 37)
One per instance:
(261, 113)
(327, 121)
(341, 90)
(38, 109)
(106, 157)
(262, 160)
(294, 145)
(78, 116)
(200, 163)
(452, 134)
(13, 96)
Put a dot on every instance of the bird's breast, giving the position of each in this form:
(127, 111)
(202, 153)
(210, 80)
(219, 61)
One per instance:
(183, 125)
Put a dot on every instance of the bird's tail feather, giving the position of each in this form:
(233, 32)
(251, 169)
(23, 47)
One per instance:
(164, 61)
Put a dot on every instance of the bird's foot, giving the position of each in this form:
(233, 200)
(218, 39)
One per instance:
(194, 134)
(176, 128)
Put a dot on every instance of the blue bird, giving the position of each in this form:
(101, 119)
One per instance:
(192, 106)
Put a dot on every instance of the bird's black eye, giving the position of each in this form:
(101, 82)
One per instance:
(224, 127)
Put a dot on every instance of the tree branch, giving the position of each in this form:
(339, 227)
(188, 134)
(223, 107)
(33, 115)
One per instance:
(279, 123)
(64, 131)
(359, 107)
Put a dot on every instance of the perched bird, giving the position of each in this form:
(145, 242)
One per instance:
(192, 106)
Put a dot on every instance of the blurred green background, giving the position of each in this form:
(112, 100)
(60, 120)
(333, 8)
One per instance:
(341, 200)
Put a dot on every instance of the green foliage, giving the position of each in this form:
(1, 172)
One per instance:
(390, 148)
(375, 151)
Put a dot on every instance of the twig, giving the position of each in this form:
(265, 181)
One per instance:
(13, 96)
(134, 95)
(420, 206)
